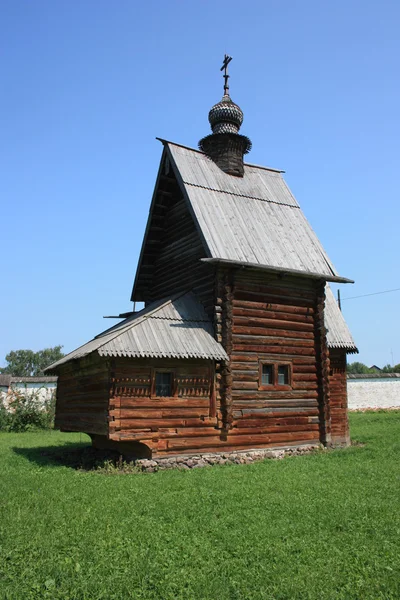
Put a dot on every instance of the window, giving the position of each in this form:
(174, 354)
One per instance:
(275, 376)
(267, 373)
(163, 384)
(283, 374)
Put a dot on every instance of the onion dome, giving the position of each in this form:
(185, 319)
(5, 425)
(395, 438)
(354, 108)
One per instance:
(225, 116)
(225, 146)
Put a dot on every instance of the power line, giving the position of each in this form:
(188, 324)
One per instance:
(373, 294)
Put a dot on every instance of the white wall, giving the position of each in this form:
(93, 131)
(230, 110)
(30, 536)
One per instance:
(41, 392)
(373, 393)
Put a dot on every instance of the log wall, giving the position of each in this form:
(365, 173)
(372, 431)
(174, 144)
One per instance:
(222, 406)
(338, 398)
(83, 389)
(274, 321)
(177, 424)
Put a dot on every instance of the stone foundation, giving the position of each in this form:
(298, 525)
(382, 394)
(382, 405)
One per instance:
(197, 461)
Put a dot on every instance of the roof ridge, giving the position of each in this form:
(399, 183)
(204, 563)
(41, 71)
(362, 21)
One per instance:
(203, 187)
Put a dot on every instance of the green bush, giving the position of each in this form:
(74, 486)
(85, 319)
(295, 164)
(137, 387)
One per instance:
(5, 417)
(25, 413)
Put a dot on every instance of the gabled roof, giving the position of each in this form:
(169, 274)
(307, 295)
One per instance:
(176, 327)
(338, 335)
(253, 220)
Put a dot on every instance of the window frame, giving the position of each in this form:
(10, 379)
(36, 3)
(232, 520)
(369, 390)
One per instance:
(174, 387)
(275, 367)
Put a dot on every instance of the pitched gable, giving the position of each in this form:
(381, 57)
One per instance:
(172, 247)
(253, 220)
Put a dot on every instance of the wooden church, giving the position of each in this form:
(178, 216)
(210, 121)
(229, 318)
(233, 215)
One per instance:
(241, 344)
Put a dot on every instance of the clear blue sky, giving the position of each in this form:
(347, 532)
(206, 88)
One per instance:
(86, 88)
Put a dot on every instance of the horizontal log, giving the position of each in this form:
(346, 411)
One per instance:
(96, 415)
(71, 370)
(158, 403)
(258, 331)
(304, 318)
(244, 440)
(240, 367)
(244, 385)
(164, 422)
(275, 396)
(268, 322)
(273, 412)
(187, 432)
(140, 413)
(287, 301)
(82, 399)
(245, 375)
(274, 349)
(256, 420)
(247, 356)
(264, 305)
(251, 412)
(253, 429)
(135, 436)
(310, 369)
(305, 385)
(276, 342)
(248, 287)
(297, 377)
(81, 426)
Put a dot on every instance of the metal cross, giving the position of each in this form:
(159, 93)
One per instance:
(227, 60)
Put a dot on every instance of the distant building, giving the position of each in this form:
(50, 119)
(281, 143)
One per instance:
(40, 388)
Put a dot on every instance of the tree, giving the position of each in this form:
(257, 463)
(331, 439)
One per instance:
(26, 363)
(359, 368)
(389, 369)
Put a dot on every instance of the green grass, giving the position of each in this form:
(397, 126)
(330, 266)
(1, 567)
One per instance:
(314, 527)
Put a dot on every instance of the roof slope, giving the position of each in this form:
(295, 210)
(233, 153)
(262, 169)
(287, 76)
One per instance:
(177, 327)
(338, 335)
(252, 220)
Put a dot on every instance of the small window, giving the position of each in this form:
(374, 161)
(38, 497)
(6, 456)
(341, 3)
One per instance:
(283, 375)
(275, 376)
(267, 374)
(163, 384)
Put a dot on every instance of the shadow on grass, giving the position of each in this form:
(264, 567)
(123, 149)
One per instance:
(72, 455)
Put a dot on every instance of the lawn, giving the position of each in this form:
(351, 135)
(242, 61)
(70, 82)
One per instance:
(314, 527)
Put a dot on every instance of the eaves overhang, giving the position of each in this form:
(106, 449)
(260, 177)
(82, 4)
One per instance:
(279, 270)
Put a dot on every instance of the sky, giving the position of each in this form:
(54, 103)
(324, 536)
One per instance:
(88, 86)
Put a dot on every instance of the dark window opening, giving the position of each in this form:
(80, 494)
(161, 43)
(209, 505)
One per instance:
(267, 375)
(163, 384)
(283, 375)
